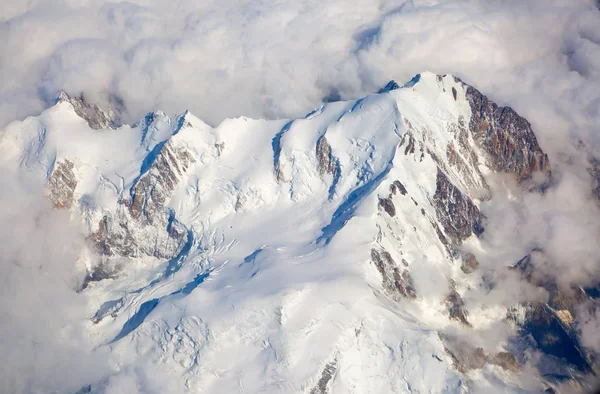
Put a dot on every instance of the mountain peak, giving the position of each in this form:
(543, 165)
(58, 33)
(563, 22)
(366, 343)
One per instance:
(97, 118)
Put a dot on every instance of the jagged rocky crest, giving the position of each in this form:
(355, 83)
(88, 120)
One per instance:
(97, 118)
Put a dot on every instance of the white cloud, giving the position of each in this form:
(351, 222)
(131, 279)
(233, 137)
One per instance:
(279, 59)
(43, 347)
(276, 58)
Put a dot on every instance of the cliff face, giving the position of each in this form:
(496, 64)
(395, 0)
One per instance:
(97, 118)
(373, 198)
(506, 138)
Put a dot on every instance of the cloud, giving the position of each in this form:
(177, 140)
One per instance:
(43, 347)
(279, 59)
(274, 59)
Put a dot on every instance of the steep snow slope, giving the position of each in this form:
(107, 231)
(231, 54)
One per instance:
(323, 254)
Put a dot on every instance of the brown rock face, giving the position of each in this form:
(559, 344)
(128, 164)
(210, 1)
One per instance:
(62, 184)
(153, 188)
(146, 226)
(505, 137)
(397, 187)
(95, 117)
(387, 205)
(465, 357)
(456, 308)
(456, 212)
(469, 264)
(506, 361)
(395, 282)
(326, 161)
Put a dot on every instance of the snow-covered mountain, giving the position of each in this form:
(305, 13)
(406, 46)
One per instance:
(337, 253)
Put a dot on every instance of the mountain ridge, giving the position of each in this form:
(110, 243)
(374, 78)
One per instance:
(392, 182)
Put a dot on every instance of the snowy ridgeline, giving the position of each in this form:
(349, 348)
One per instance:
(324, 255)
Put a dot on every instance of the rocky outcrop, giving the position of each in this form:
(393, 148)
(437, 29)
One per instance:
(327, 163)
(456, 212)
(550, 326)
(388, 206)
(325, 159)
(408, 142)
(96, 117)
(469, 263)
(396, 281)
(506, 361)
(397, 187)
(465, 357)
(326, 376)
(61, 185)
(123, 236)
(456, 307)
(154, 187)
(506, 138)
(391, 85)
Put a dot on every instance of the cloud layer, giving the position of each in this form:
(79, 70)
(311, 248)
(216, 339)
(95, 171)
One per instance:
(43, 346)
(275, 59)
(280, 59)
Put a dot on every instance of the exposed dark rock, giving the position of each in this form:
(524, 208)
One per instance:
(506, 361)
(326, 376)
(155, 185)
(220, 147)
(392, 85)
(524, 267)
(458, 215)
(505, 137)
(328, 163)
(469, 263)
(397, 186)
(456, 308)
(100, 272)
(454, 93)
(465, 357)
(115, 237)
(553, 335)
(439, 233)
(95, 117)
(407, 139)
(550, 327)
(388, 206)
(62, 184)
(276, 145)
(404, 284)
(376, 258)
(395, 282)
